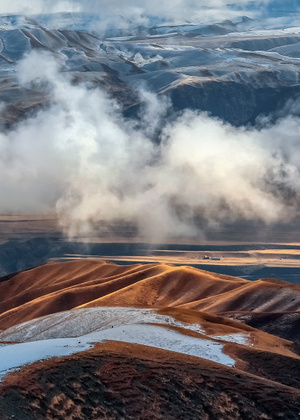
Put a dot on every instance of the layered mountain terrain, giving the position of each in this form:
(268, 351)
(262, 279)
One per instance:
(236, 69)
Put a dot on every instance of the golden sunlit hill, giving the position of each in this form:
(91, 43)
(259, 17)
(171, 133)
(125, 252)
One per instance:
(56, 287)
(90, 339)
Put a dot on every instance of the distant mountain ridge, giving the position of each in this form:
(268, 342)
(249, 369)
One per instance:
(230, 69)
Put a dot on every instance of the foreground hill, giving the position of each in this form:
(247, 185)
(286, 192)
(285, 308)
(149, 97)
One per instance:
(89, 339)
(122, 381)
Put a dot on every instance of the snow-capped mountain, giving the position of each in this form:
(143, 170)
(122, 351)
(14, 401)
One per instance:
(236, 69)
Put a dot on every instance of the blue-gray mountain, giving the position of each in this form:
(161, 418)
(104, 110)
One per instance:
(236, 70)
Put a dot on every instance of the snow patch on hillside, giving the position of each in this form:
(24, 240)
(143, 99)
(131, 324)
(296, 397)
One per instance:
(15, 356)
(78, 322)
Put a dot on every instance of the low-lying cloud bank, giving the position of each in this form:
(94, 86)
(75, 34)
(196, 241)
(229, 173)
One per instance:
(81, 158)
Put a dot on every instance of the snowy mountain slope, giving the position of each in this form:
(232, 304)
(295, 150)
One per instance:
(238, 57)
(17, 355)
(66, 333)
(69, 332)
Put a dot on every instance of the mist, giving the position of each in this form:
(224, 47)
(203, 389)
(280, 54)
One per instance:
(83, 160)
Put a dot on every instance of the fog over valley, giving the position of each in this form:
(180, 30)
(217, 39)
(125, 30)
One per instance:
(169, 123)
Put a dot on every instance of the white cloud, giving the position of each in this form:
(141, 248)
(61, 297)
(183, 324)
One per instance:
(82, 158)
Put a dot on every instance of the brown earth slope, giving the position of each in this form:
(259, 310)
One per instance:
(118, 380)
(55, 287)
(127, 381)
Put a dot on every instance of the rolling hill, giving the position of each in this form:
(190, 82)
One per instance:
(112, 329)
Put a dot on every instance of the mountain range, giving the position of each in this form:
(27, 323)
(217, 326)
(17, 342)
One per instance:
(236, 70)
